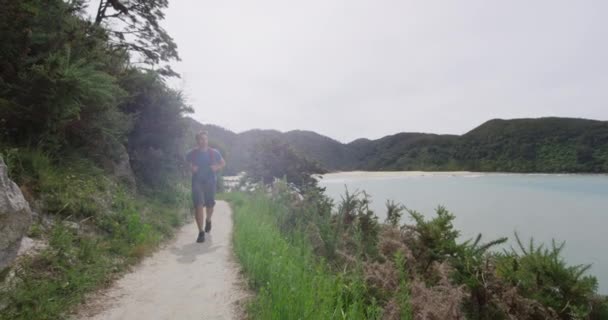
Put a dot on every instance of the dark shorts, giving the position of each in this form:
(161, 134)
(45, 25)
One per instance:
(203, 192)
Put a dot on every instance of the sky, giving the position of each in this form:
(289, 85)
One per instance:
(369, 68)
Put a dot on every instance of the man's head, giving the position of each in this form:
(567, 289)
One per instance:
(202, 139)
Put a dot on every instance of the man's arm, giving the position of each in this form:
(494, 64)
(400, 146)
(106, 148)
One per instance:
(220, 163)
(193, 167)
(219, 166)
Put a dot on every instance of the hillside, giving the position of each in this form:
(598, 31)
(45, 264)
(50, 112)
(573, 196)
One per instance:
(536, 145)
(332, 154)
(518, 145)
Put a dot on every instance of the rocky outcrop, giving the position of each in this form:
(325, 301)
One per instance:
(15, 217)
(119, 165)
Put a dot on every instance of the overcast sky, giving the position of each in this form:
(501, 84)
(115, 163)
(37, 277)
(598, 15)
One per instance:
(369, 68)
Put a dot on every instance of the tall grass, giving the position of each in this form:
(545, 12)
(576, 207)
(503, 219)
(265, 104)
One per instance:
(291, 282)
(308, 262)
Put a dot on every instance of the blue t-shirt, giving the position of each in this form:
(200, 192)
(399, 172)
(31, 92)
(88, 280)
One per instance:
(204, 160)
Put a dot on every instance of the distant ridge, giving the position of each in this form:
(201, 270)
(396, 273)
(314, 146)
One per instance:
(548, 144)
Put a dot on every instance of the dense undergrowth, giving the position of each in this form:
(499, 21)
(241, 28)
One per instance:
(94, 137)
(307, 261)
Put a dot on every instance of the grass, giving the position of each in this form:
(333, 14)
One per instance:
(70, 187)
(99, 230)
(307, 262)
(291, 282)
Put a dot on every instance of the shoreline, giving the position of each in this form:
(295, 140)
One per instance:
(415, 174)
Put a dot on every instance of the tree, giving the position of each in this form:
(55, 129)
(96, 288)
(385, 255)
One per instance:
(273, 159)
(54, 85)
(154, 141)
(66, 89)
(134, 26)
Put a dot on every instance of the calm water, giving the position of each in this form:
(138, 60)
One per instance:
(571, 208)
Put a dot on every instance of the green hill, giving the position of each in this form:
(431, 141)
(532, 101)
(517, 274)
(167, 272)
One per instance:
(518, 145)
(536, 145)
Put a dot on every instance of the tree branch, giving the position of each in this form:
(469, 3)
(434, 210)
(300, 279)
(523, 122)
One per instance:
(103, 6)
(129, 32)
(99, 15)
(113, 15)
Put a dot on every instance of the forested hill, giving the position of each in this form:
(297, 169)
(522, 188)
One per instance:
(519, 145)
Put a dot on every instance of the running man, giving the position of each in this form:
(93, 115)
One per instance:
(204, 163)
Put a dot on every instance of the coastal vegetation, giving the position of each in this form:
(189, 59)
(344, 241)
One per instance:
(92, 135)
(309, 258)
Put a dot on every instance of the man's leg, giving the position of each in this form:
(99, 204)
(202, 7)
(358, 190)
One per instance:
(209, 204)
(208, 220)
(198, 216)
(209, 213)
(198, 199)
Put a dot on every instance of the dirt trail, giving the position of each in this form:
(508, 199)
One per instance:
(184, 280)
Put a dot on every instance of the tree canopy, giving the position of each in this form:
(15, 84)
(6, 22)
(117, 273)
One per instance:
(71, 85)
(272, 159)
(134, 26)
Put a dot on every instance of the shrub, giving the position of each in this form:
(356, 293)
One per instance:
(541, 274)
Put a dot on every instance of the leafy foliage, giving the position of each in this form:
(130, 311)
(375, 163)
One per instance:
(272, 160)
(435, 239)
(541, 274)
(71, 99)
(56, 89)
(422, 270)
(360, 221)
(66, 88)
(134, 26)
(154, 141)
(394, 211)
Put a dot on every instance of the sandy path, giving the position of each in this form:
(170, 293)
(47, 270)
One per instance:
(184, 280)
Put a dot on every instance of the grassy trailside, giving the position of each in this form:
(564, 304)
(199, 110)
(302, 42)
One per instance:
(307, 261)
(95, 229)
(290, 282)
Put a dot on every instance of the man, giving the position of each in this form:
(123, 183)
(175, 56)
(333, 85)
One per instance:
(204, 163)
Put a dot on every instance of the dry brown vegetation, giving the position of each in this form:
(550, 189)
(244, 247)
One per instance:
(421, 271)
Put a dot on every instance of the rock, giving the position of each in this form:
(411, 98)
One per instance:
(15, 217)
(30, 246)
(71, 225)
(120, 165)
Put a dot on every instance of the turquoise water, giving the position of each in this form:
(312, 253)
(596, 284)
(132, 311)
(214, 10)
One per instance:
(571, 208)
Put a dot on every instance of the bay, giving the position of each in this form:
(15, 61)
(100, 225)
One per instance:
(571, 208)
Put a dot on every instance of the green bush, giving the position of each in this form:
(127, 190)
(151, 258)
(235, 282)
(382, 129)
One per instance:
(435, 239)
(360, 221)
(540, 273)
